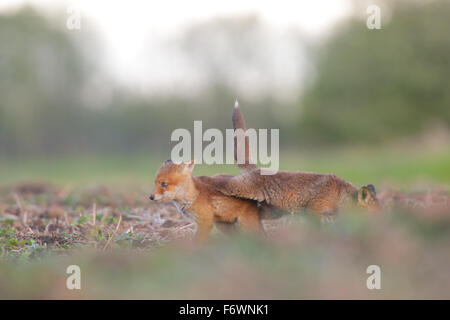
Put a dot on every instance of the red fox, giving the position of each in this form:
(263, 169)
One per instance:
(197, 196)
(321, 194)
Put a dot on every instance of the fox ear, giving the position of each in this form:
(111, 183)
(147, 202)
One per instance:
(367, 198)
(372, 189)
(366, 193)
(188, 166)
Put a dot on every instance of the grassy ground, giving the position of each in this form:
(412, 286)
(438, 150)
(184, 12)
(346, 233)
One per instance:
(360, 166)
(94, 212)
(128, 248)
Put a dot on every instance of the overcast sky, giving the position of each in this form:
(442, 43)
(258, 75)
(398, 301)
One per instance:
(131, 27)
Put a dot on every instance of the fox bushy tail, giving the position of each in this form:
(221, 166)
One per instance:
(239, 123)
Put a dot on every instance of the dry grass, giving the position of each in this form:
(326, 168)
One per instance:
(131, 248)
(56, 218)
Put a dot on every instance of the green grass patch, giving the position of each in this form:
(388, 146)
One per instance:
(358, 166)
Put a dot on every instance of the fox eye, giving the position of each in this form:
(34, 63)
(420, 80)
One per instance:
(163, 184)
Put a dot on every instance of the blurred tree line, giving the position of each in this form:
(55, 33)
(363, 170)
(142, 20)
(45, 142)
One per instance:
(52, 83)
(377, 85)
(368, 86)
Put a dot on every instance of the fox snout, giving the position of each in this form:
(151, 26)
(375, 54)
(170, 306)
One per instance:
(155, 197)
(161, 192)
(171, 180)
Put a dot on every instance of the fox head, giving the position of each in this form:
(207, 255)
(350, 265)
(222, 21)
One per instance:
(172, 181)
(367, 198)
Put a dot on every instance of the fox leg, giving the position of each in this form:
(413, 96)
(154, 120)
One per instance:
(240, 187)
(226, 227)
(250, 222)
(204, 226)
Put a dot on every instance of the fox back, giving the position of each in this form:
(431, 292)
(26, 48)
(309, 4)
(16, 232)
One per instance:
(293, 191)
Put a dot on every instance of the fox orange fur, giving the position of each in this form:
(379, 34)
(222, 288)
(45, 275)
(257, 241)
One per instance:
(322, 194)
(196, 196)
